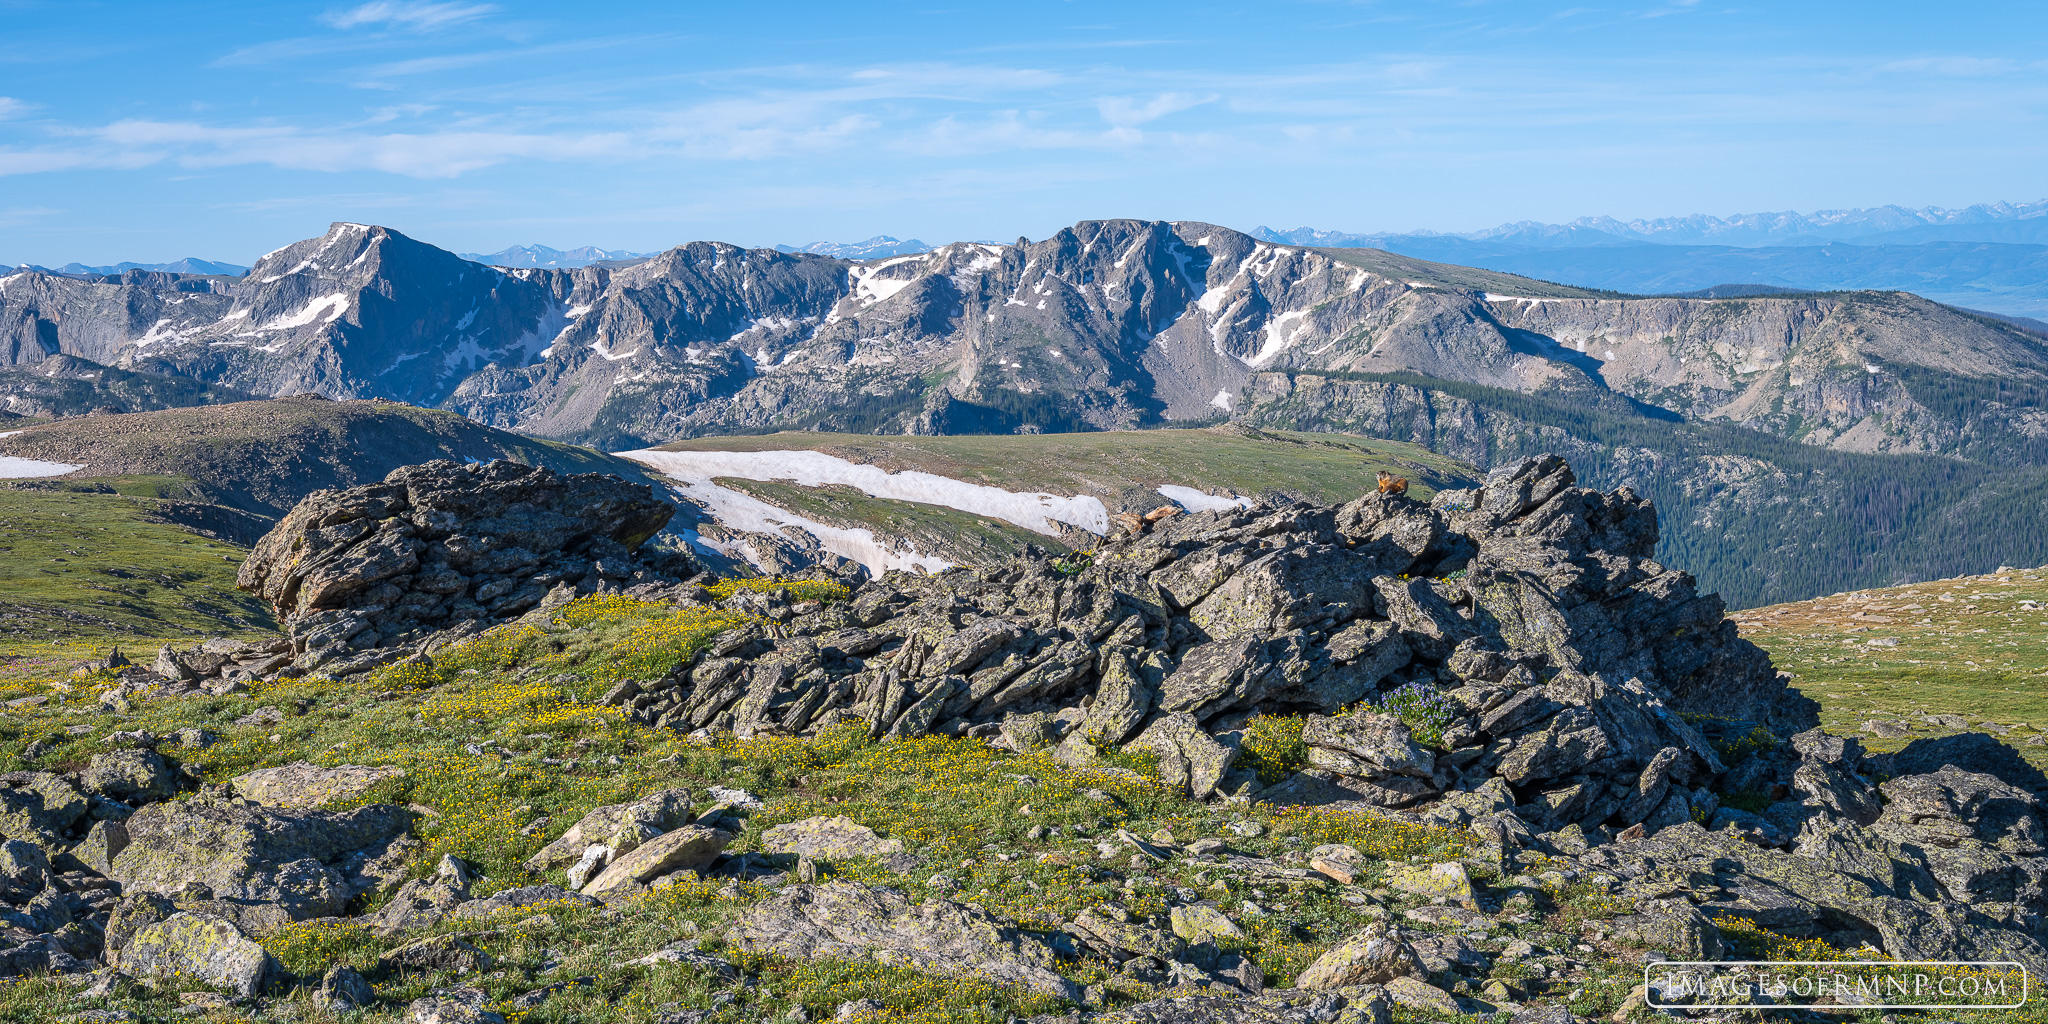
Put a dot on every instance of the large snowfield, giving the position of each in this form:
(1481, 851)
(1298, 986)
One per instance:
(1034, 511)
(1037, 511)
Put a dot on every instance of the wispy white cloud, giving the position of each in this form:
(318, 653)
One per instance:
(11, 108)
(412, 14)
(14, 216)
(1952, 67)
(1131, 111)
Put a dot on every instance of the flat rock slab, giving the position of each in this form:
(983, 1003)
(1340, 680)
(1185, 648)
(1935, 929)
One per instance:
(853, 922)
(829, 838)
(305, 785)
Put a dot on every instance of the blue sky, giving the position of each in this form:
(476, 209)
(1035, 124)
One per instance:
(147, 131)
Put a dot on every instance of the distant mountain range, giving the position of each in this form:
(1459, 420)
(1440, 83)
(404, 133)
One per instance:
(542, 256)
(1881, 225)
(1876, 426)
(875, 248)
(1992, 257)
(188, 265)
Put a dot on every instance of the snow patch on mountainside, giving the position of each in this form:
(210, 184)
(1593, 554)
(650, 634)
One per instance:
(337, 303)
(13, 468)
(736, 511)
(1034, 511)
(1199, 501)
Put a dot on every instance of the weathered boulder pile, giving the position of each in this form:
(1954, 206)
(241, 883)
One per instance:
(363, 576)
(1547, 663)
(104, 865)
(1510, 659)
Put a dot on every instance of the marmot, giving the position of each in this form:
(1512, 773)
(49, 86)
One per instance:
(1391, 484)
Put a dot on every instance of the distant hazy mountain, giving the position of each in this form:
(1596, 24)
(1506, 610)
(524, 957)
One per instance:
(542, 256)
(1985, 222)
(1992, 257)
(188, 265)
(873, 249)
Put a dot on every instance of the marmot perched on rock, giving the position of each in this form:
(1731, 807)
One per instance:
(1391, 484)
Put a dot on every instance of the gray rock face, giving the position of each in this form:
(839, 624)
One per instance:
(196, 945)
(139, 776)
(356, 574)
(690, 848)
(302, 864)
(830, 838)
(854, 922)
(341, 990)
(452, 1006)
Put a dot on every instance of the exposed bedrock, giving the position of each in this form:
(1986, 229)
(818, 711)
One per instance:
(362, 576)
(1552, 651)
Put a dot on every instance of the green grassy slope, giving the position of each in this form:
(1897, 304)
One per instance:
(264, 456)
(104, 566)
(1109, 464)
(1975, 648)
(504, 745)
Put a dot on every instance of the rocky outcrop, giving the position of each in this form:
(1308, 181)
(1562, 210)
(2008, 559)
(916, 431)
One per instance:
(1519, 632)
(259, 867)
(364, 576)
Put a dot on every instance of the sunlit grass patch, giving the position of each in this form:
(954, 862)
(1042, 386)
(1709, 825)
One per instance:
(1273, 747)
(1377, 837)
(909, 995)
(799, 589)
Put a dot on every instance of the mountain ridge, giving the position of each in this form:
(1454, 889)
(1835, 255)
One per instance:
(1118, 325)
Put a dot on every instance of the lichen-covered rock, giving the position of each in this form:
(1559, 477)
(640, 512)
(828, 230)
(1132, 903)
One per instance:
(837, 837)
(1114, 930)
(1200, 922)
(1953, 808)
(439, 953)
(439, 544)
(1366, 746)
(39, 807)
(1209, 1008)
(417, 904)
(1448, 880)
(847, 921)
(1374, 956)
(618, 827)
(207, 948)
(1417, 994)
(530, 897)
(302, 863)
(342, 990)
(1189, 759)
(452, 1006)
(24, 870)
(686, 849)
(1672, 926)
(304, 785)
(1549, 649)
(135, 775)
